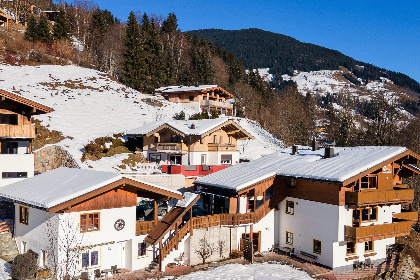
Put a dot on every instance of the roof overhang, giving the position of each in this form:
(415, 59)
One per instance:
(406, 157)
(37, 107)
(147, 190)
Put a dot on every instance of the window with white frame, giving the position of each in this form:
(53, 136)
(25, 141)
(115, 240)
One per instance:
(90, 259)
(226, 159)
(141, 249)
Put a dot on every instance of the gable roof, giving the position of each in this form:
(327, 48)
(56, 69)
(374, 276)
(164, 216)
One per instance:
(347, 163)
(26, 101)
(185, 128)
(51, 190)
(201, 88)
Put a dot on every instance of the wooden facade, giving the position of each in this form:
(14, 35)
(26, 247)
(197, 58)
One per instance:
(122, 193)
(209, 98)
(377, 232)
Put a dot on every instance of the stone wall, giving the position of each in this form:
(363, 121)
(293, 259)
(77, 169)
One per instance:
(8, 249)
(52, 157)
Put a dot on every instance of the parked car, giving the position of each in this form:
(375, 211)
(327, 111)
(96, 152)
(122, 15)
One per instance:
(144, 209)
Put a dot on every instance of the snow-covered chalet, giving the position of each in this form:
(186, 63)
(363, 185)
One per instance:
(190, 147)
(332, 206)
(83, 220)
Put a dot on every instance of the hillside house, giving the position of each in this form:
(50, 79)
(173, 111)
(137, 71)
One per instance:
(89, 214)
(203, 98)
(332, 207)
(5, 19)
(192, 143)
(16, 136)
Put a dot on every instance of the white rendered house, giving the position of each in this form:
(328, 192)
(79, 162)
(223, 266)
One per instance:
(332, 207)
(89, 214)
(16, 136)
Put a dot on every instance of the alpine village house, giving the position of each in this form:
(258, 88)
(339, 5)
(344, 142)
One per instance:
(16, 135)
(200, 98)
(332, 206)
(190, 147)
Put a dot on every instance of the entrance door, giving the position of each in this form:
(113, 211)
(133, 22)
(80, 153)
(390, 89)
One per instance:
(256, 237)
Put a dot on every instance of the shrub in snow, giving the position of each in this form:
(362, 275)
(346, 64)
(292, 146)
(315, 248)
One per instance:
(24, 266)
(236, 254)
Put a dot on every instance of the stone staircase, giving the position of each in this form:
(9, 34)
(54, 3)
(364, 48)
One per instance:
(8, 249)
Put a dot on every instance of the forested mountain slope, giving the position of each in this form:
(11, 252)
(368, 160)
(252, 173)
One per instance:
(284, 54)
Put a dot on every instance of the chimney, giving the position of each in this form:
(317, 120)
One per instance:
(295, 149)
(315, 144)
(329, 152)
(193, 126)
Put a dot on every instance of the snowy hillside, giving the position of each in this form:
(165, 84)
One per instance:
(89, 104)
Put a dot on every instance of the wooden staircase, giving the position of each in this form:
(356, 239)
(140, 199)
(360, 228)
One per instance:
(174, 220)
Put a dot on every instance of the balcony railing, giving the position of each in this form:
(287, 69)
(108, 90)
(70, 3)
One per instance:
(376, 197)
(377, 232)
(169, 146)
(145, 227)
(221, 147)
(17, 131)
(407, 216)
(217, 104)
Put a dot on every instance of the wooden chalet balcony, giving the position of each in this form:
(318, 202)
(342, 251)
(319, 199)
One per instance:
(169, 146)
(145, 227)
(221, 147)
(376, 197)
(377, 232)
(407, 216)
(217, 104)
(17, 131)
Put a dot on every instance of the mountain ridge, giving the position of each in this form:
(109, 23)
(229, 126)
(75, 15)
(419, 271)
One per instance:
(284, 54)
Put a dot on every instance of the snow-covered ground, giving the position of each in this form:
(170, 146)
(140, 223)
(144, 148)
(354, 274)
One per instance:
(88, 104)
(249, 272)
(4, 270)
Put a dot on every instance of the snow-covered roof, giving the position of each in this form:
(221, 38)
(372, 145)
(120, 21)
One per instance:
(183, 126)
(347, 163)
(26, 101)
(60, 185)
(184, 88)
(186, 200)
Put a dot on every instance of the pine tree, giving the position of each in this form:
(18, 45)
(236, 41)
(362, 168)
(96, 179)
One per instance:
(132, 54)
(170, 24)
(31, 32)
(43, 30)
(61, 28)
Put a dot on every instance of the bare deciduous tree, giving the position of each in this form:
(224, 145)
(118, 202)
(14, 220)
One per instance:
(204, 249)
(64, 246)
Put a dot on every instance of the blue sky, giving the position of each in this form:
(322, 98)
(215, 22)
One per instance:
(383, 33)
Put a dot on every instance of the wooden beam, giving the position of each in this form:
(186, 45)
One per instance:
(155, 210)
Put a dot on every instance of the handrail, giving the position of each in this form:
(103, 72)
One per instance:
(174, 241)
(6, 226)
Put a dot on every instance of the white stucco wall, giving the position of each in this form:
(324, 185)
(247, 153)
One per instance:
(114, 247)
(34, 234)
(340, 248)
(16, 163)
(311, 220)
(266, 227)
